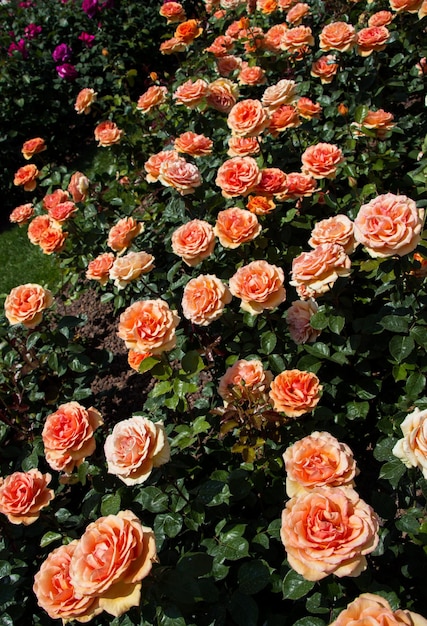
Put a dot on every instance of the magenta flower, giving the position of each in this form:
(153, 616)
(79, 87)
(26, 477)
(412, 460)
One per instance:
(87, 39)
(90, 7)
(18, 47)
(62, 53)
(67, 71)
(32, 31)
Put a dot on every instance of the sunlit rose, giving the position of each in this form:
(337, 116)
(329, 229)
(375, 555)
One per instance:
(259, 285)
(260, 205)
(296, 13)
(173, 11)
(372, 609)
(283, 92)
(314, 273)
(99, 268)
(223, 94)
(251, 75)
(183, 176)
(243, 146)
(148, 326)
(380, 121)
(153, 97)
(188, 31)
(297, 186)
(62, 211)
(123, 233)
(26, 177)
(23, 495)
(238, 176)
(193, 241)
(285, 116)
(412, 448)
(85, 98)
(321, 160)
(337, 229)
(307, 108)
(235, 226)
(221, 45)
(204, 299)
(172, 46)
(22, 214)
(273, 38)
(296, 38)
(372, 39)
(298, 317)
(193, 144)
(405, 6)
(108, 133)
(294, 392)
(227, 64)
(191, 93)
(25, 304)
(244, 379)
(247, 118)
(135, 358)
(381, 18)
(325, 68)
(50, 200)
(129, 267)
(153, 164)
(78, 187)
(32, 147)
(272, 181)
(337, 36)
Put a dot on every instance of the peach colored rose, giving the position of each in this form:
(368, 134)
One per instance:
(315, 272)
(235, 226)
(37, 226)
(389, 225)
(272, 182)
(251, 75)
(238, 176)
(22, 214)
(124, 550)
(78, 186)
(337, 36)
(193, 144)
(173, 11)
(379, 121)
(267, 6)
(321, 160)
(296, 13)
(221, 45)
(308, 109)
(318, 460)
(412, 448)
(204, 299)
(191, 93)
(55, 593)
(260, 205)
(405, 6)
(227, 64)
(238, 28)
(62, 211)
(193, 241)
(99, 268)
(25, 304)
(23, 495)
(149, 326)
(381, 18)
(285, 5)
(243, 146)
(245, 379)
(259, 285)
(285, 116)
(298, 317)
(56, 197)
(374, 610)
(32, 147)
(273, 38)
(123, 233)
(223, 94)
(372, 39)
(129, 267)
(297, 186)
(108, 133)
(172, 45)
(26, 177)
(153, 97)
(188, 31)
(154, 163)
(53, 238)
(337, 229)
(294, 392)
(68, 436)
(134, 448)
(85, 98)
(325, 68)
(247, 118)
(422, 11)
(183, 176)
(283, 92)
(135, 358)
(349, 531)
(296, 38)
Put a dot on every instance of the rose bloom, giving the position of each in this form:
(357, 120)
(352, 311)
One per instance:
(325, 68)
(283, 92)
(298, 317)
(247, 118)
(78, 186)
(172, 45)
(285, 5)
(308, 109)
(389, 225)
(107, 133)
(37, 226)
(244, 379)
(154, 163)
(99, 268)
(26, 177)
(123, 233)
(227, 64)
(55, 593)
(223, 94)
(56, 197)
(381, 18)
(285, 116)
(129, 267)
(191, 93)
(254, 38)
(412, 448)
(85, 98)
(405, 6)
(238, 176)
(372, 39)
(421, 270)
(193, 144)
(53, 238)
(273, 38)
(23, 495)
(371, 609)
(267, 6)
(188, 31)
(318, 460)
(33, 146)
(221, 45)
(193, 242)
(337, 229)
(235, 226)
(68, 436)
(349, 531)
(154, 96)
(183, 176)
(134, 448)
(315, 272)
(135, 358)
(321, 160)
(22, 214)
(260, 205)
(111, 558)
(273, 181)
(148, 326)
(243, 146)
(294, 392)
(296, 13)
(204, 299)
(298, 186)
(296, 38)
(259, 285)
(380, 121)
(62, 211)
(173, 11)
(25, 304)
(337, 36)
(251, 75)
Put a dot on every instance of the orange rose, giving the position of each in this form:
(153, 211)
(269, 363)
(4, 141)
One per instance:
(191, 93)
(68, 435)
(285, 116)
(298, 317)
(294, 392)
(308, 109)
(204, 299)
(338, 229)
(193, 241)
(379, 121)
(188, 31)
(267, 6)
(129, 267)
(372, 39)
(296, 13)
(318, 460)
(337, 36)
(381, 18)
(251, 75)
(389, 225)
(315, 272)
(99, 268)
(62, 211)
(273, 38)
(154, 163)
(247, 118)
(349, 532)
(325, 68)
(238, 176)
(134, 448)
(173, 45)
(235, 226)
(26, 176)
(183, 176)
(148, 326)
(85, 98)
(227, 64)
(273, 181)
(22, 214)
(260, 205)
(412, 449)
(78, 186)
(259, 285)
(321, 160)
(283, 92)
(371, 609)
(125, 551)
(23, 495)
(37, 226)
(135, 358)
(56, 197)
(123, 233)
(297, 186)
(154, 96)
(25, 304)
(223, 94)
(193, 144)
(173, 12)
(285, 5)
(33, 146)
(220, 45)
(405, 6)
(107, 133)
(245, 379)
(53, 238)
(243, 146)
(296, 38)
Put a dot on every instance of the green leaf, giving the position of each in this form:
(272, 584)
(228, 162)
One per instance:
(295, 586)
(161, 388)
(309, 621)
(168, 524)
(360, 113)
(419, 333)
(198, 563)
(49, 538)
(383, 449)
(319, 320)
(393, 471)
(395, 323)
(253, 576)
(356, 410)
(110, 504)
(268, 342)
(401, 347)
(192, 362)
(415, 384)
(319, 349)
(409, 522)
(147, 364)
(243, 609)
(152, 499)
(336, 324)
